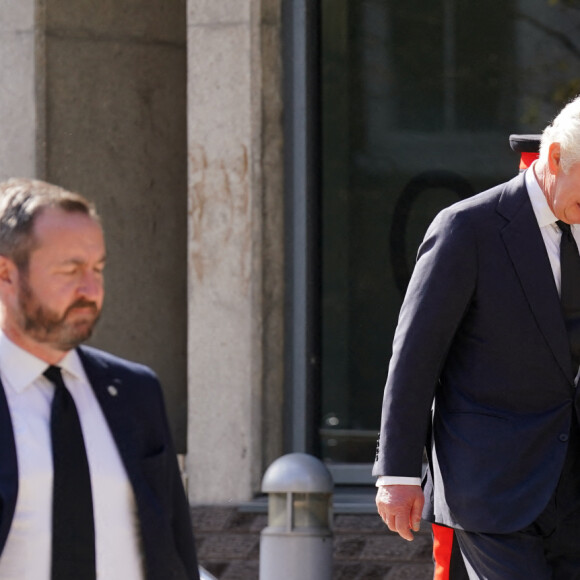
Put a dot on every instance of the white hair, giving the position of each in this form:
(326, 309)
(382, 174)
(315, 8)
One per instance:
(565, 130)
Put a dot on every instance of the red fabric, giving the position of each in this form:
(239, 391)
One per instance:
(527, 159)
(442, 544)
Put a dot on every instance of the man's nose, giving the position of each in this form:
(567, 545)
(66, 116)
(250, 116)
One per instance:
(91, 285)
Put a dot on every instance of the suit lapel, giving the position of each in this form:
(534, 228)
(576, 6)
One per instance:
(525, 245)
(8, 470)
(111, 395)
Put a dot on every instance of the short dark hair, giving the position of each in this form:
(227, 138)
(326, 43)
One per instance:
(21, 202)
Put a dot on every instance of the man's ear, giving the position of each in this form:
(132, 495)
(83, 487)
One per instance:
(8, 275)
(554, 158)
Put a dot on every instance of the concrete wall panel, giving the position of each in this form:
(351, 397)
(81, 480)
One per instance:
(150, 21)
(18, 113)
(212, 13)
(221, 342)
(235, 250)
(18, 105)
(17, 15)
(116, 132)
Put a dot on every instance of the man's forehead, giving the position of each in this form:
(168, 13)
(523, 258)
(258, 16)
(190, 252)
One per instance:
(69, 233)
(56, 222)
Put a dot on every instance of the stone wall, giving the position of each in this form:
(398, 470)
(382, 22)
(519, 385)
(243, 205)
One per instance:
(235, 246)
(18, 103)
(112, 99)
(114, 78)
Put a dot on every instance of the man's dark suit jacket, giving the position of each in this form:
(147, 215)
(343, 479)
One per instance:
(481, 334)
(137, 419)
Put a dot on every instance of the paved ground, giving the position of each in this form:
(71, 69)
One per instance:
(228, 546)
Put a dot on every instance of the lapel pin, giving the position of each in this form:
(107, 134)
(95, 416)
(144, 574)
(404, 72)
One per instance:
(112, 391)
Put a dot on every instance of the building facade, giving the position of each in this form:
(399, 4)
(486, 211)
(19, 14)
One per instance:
(265, 170)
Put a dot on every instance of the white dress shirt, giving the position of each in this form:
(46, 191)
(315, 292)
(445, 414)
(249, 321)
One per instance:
(551, 234)
(27, 554)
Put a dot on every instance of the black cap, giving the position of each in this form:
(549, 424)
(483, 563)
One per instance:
(525, 143)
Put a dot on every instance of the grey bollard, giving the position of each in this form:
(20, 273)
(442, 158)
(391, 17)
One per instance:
(297, 544)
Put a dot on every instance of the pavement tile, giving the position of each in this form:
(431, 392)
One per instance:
(359, 571)
(259, 523)
(211, 518)
(423, 547)
(392, 548)
(364, 549)
(367, 523)
(241, 571)
(255, 552)
(242, 521)
(411, 572)
(224, 547)
(348, 547)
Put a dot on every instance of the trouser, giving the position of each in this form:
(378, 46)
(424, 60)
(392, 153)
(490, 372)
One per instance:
(548, 549)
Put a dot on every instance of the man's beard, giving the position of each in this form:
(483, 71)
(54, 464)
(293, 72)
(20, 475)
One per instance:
(46, 326)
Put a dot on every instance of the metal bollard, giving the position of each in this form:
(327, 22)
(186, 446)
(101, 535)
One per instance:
(297, 544)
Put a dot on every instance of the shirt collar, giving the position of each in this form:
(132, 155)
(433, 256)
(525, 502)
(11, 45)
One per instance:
(20, 368)
(544, 214)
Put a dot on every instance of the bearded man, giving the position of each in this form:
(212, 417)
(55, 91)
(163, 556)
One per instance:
(89, 481)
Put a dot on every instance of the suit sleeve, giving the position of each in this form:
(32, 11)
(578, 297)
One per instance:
(180, 512)
(438, 296)
(182, 530)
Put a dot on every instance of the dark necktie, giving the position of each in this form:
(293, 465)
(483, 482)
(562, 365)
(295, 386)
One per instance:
(570, 291)
(73, 531)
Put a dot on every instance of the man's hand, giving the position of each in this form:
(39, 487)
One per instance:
(400, 507)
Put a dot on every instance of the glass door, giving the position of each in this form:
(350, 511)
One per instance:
(418, 99)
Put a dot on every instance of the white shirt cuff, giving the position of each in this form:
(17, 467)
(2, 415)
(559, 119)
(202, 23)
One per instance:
(394, 480)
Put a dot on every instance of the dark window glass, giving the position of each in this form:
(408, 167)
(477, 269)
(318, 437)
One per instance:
(418, 101)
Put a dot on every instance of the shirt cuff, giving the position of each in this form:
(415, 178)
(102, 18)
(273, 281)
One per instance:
(395, 480)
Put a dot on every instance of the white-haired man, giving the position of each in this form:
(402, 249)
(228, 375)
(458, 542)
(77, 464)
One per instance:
(484, 368)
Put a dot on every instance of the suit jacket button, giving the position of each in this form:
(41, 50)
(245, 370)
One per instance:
(563, 437)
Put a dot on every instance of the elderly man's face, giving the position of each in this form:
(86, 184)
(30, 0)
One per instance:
(564, 192)
(566, 197)
(60, 295)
